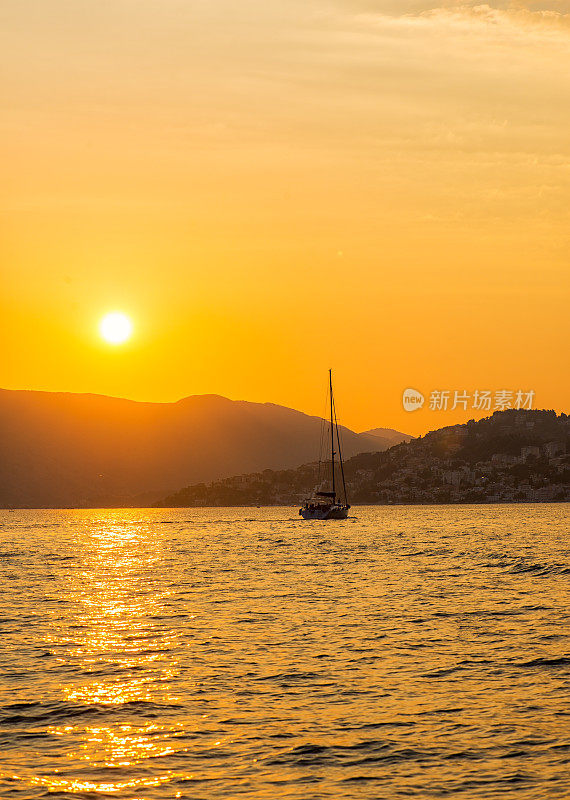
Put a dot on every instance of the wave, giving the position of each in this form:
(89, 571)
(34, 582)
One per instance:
(442, 673)
(522, 566)
(562, 661)
(38, 712)
(365, 752)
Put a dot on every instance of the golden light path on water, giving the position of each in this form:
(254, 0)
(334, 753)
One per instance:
(117, 635)
(242, 652)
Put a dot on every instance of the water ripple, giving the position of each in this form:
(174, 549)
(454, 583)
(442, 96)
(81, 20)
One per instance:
(225, 653)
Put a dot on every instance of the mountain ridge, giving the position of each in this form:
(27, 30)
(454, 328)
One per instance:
(84, 449)
(389, 435)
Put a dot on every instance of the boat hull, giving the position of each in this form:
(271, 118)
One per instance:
(332, 512)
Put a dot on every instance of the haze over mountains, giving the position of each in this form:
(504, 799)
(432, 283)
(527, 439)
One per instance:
(65, 450)
(389, 435)
(511, 456)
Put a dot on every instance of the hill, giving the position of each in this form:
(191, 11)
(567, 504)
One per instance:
(388, 436)
(510, 456)
(61, 449)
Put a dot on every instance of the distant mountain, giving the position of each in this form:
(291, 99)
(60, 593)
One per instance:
(61, 449)
(508, 457)
(388, 436)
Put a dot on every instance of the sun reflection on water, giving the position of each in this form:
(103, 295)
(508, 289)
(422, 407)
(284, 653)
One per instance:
(120, 745)
(54, 784)
(122, 656)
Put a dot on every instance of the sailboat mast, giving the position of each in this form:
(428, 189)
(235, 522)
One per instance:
(332, 434)
(340, 454)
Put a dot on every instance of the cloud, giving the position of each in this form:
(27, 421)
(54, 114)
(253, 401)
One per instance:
(410, 7)
(505, 13)
(424, 94)
(550, 14)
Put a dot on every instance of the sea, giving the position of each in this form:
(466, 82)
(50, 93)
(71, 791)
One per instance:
(407, 652)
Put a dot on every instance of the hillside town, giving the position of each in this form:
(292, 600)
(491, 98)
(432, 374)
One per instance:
(512, 456)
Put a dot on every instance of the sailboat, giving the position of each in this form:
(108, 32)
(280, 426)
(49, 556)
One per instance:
(329, 505)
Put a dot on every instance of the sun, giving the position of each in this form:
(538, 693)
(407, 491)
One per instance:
(116, 327)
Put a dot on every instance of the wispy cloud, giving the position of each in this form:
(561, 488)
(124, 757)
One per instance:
(545, 15)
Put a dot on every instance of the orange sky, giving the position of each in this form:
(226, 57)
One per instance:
(269, 189)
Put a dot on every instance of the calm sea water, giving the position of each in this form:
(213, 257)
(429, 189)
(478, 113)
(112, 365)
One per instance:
(226, 653)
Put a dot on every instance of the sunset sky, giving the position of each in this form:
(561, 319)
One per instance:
(268, 189)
